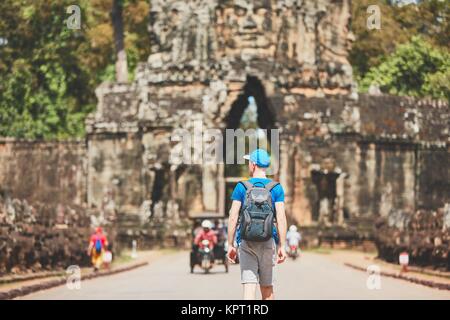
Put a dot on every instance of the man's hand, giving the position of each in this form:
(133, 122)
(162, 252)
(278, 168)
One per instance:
(232, 222)
(281, 256)
(281, 226)
(231, 255)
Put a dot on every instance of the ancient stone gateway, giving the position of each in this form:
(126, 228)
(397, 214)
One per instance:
(348, 162)
(344, 159)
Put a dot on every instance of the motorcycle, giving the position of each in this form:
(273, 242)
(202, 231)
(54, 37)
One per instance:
(205, 258)
(293, 252)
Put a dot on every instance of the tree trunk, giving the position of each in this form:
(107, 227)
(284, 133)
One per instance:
(121, 56)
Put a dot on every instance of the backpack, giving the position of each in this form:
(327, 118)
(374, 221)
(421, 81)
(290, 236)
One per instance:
(257, 213)
(98, 245)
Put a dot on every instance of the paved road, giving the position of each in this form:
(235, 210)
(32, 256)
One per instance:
(314, 276)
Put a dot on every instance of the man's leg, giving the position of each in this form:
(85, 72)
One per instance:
(96, 260)
(249, 291)
(267, 292)
(267, 269)
(248, 262)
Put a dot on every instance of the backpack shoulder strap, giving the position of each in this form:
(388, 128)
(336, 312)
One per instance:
(272, 184)
(247, 184)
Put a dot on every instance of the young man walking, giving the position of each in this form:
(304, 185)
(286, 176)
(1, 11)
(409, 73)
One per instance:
(256, 203)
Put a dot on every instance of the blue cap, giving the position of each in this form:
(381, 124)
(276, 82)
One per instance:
(259, 157)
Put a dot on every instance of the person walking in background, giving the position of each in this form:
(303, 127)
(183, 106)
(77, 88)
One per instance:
(97, 247)
(256, 203)
(293, 238)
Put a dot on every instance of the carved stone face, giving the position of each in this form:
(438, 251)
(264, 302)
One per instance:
(158, 28)
(250, 23)
(178, 12)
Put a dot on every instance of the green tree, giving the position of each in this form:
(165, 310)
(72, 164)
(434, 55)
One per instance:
(44, 86)
(48, 72)
(371, 46)
(415, 68)
(429, 18)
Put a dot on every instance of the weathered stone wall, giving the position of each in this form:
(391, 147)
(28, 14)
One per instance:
(128, 160)
(49, 172)
(380, 151)
(300, 45)
(32, 239)
(44, 220)
(115, 164)
(433, 183)
(345, 160)
(424, 235)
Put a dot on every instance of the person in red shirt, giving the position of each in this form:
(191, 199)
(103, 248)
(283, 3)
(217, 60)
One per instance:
(97, 247)
(206, 234)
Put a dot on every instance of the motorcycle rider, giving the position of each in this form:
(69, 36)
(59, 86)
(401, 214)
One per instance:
(206, 234)
(293, 237)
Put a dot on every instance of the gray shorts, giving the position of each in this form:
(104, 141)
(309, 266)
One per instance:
(257, 261)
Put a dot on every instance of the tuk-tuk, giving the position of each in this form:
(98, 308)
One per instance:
(203, 258)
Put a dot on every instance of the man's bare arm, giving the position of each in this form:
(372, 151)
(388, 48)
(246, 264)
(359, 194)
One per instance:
(232, 221)
(282, 229)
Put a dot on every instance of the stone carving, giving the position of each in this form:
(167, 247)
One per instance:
(324, 177)
(145, 211)
(335, 38)
(422, 234)
(207, 58)
(173, 211)
(158, 211)
(386, 200)
(446, 217)
(247, 28)
(299, 26)
(213, 99)
(397, 219)
(181, 32)
(412, 122)
(304, 43)
(351, 119)
(28, 234)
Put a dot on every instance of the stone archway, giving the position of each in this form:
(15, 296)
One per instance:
(265, 119)
(294, 63)
(266, 113)
(224, 104)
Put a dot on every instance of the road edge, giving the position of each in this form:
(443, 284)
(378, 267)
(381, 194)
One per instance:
(26, 290)
(427, 283)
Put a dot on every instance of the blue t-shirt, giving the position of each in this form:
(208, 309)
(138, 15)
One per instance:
(239, 195)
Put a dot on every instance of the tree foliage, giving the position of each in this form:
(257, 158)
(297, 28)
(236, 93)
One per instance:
(429, 18)
(409, 54)
(48, 72)
(415, 68)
